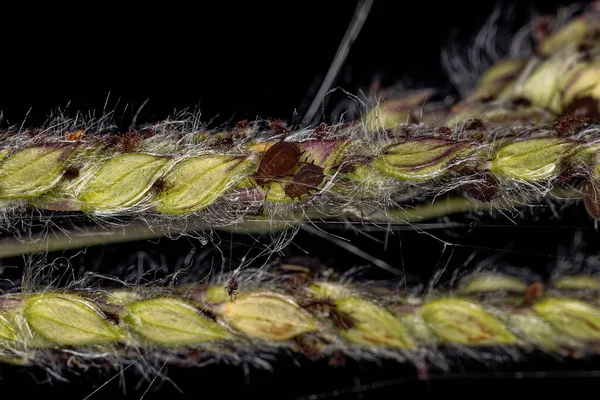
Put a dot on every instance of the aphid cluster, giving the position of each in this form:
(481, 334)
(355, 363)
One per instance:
(282, 160)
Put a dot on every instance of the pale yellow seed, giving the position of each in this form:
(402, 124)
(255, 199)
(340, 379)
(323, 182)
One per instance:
(268, 316)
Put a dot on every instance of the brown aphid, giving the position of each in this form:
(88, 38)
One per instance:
(278, 161)
(533, 292)
(591, 200)
(308, 178)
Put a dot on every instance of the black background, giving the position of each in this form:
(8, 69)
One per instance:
(246, 60)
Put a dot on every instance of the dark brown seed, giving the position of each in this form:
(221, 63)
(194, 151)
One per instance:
(308, 178)
(592, 200)
(278, 161)
(583, 107)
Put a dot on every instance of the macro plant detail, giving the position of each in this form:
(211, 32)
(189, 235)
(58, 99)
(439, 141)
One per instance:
(325, 315)
(524, 136)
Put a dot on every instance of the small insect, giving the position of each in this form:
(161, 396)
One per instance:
(278, 161)
(232, 288)
(308, 178)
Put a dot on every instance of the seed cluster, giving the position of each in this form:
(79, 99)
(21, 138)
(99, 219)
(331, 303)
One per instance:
(529, 125)
(86, 177)
(316, 319)
(528, 128)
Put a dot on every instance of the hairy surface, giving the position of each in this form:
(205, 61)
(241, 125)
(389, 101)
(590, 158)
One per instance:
(525, 134)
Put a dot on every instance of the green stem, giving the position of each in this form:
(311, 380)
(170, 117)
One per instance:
(140, 230)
